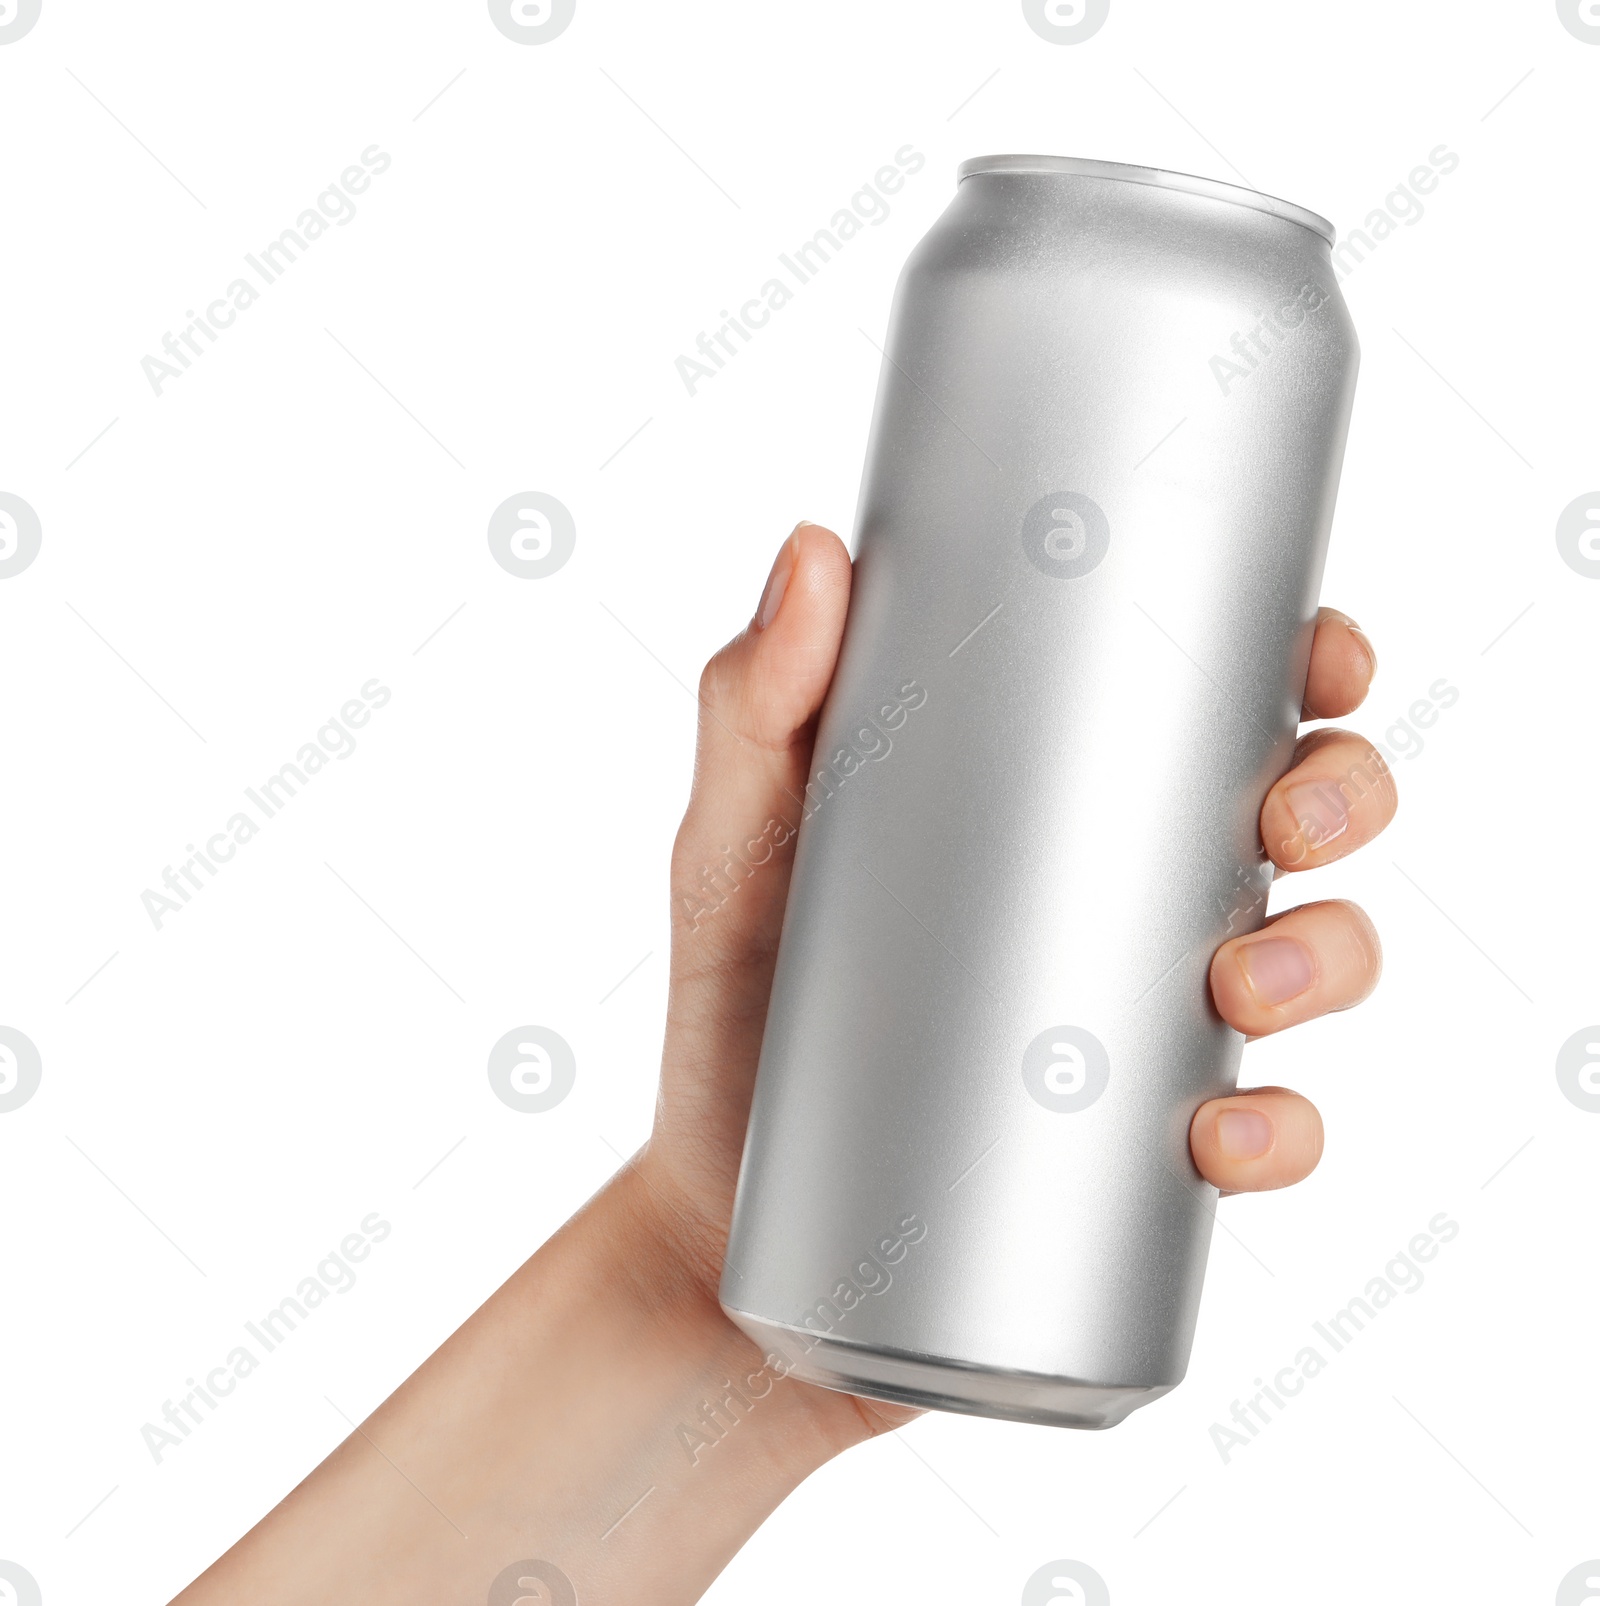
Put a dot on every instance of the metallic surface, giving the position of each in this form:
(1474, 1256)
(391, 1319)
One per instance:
(1090, 539)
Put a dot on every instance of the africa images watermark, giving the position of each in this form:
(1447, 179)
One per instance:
(334, 1274)
(869, 205)
(870, 742)
(1403, 739)
(1335, 797)
(869, 1275)
(334, 740)
(336, 205)
(1273, 326)
(1402, 1275)
(1402, 205)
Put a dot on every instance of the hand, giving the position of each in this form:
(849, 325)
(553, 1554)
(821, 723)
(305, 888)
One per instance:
(760, 696)
(584, 1419)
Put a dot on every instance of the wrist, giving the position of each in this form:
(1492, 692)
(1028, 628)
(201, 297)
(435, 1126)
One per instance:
(789, 1427)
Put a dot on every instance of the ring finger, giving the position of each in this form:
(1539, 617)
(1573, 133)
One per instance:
(1303, 963)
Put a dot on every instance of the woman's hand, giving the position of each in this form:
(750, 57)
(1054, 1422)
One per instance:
(599, 1430)
(760, 696)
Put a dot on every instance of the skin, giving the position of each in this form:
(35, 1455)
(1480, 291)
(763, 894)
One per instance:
(582, 1417)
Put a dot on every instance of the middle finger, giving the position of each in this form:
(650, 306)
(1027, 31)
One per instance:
(1338, 794)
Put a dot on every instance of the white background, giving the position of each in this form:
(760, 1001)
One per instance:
(227, 564)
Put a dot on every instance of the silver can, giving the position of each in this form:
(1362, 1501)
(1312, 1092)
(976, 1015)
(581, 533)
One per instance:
(1098, 490)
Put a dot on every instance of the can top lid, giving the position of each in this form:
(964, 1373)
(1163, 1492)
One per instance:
(1210, 187)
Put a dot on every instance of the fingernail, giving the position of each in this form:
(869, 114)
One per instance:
(778, 582)
(1276, 969)
(1366, 647)
(1243, 1134)
(1320, 812)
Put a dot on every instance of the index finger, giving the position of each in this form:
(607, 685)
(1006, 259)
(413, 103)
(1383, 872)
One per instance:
(1342, 667)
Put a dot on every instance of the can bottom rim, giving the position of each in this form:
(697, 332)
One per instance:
(931, 1383)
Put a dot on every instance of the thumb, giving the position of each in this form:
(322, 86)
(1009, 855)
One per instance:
(759, 699)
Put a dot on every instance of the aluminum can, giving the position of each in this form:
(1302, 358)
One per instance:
(1108, 433)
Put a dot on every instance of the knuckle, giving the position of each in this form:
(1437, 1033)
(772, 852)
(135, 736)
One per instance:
(712, 689)
(730, 695)
(682, 865)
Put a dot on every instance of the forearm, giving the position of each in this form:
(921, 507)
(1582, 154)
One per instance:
(567, 1422)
